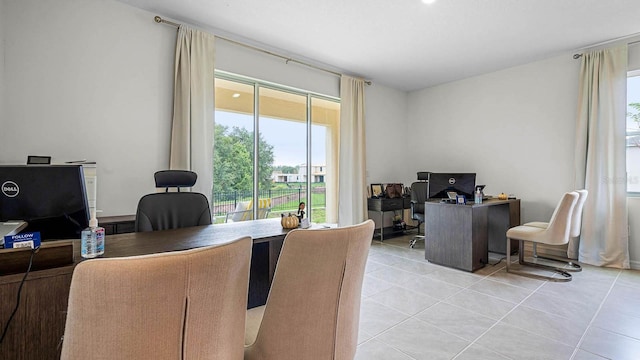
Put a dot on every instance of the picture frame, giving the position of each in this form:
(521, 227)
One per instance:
(461, 199)
(376, 190)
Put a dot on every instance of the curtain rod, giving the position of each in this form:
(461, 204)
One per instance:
(578, 56)
(159, 20)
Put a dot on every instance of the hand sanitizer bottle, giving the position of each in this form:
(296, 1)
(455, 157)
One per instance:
(477, 196)
(92, 243)
(88, 248)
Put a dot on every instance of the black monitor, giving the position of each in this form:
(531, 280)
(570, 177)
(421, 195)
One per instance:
(51, 198)
(461, 183)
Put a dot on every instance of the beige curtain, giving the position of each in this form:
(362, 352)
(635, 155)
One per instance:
(352, 190)
(193, 107)
(601, 159)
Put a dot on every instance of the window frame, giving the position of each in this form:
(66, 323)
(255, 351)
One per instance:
(257, 85)
(630, 132)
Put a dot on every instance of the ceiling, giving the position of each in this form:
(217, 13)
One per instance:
(406, 44)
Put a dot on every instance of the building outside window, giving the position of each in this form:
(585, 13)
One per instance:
(261, 156)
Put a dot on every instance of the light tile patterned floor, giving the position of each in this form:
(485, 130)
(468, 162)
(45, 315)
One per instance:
(412, 309)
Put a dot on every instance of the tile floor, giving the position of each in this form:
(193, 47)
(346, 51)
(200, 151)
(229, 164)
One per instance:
(412, 309)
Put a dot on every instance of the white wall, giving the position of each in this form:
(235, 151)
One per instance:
(386, 129)
(89, 80)
(515, 128)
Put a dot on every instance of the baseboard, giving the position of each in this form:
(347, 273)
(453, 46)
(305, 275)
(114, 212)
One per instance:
(635, 265)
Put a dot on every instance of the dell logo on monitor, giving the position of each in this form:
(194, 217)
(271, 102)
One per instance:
(452, 181)
(10, 189)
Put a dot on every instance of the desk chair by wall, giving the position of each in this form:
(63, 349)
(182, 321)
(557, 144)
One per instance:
(557, 233)
(419, 191)
(313, 307)
(160, 306)
(576, 226)
(172, 210)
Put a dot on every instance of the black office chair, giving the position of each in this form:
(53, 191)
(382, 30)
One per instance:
(419, 191)
(172, 210)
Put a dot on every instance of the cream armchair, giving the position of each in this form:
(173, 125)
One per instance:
(556, 233)
(576, 226)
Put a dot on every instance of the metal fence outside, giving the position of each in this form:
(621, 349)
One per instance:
(282, 200)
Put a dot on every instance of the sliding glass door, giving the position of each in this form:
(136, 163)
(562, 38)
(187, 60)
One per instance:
(262, 157)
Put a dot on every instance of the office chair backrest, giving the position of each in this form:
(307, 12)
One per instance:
(173, 210)
(179, 305)
(419, 190)
(314, 303)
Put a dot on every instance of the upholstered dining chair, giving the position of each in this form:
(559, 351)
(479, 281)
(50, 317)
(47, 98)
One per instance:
(556, 233)
(313, 308)
(576, 226)
(178, 305)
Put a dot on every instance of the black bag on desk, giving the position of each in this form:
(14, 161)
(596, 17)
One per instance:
(393, 191)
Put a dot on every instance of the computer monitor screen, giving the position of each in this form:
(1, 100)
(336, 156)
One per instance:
(461, 183)
(51, 198)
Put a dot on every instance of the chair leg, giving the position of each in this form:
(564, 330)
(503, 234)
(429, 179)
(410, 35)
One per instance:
(573, 266)
(565, 275)
(413, 241)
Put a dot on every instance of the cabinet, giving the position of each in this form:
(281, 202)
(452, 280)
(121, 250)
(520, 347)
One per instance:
(121, 224)
(461, 236)
(382, 207)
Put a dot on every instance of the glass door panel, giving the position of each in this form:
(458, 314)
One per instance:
(233, 151)
(325, 116)
(282, 154)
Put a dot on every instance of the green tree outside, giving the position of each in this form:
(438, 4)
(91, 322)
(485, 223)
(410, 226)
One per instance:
(233, 160)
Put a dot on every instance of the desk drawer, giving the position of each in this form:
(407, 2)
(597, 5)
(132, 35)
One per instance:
(385, 204)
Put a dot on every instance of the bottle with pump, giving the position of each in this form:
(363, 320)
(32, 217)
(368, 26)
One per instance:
(478, 196)
(92, 243)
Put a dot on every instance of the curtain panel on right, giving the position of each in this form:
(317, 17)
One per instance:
(601, 159)
(352, 187)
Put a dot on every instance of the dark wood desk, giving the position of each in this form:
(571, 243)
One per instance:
(461, 236)
(38, 326)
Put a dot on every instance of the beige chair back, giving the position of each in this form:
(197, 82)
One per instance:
(313, 307)
(557, 233)
(576, 217)
(179, 305)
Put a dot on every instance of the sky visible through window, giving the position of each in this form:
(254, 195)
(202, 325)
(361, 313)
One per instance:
(286, 149)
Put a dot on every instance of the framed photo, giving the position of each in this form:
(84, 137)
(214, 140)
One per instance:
(376, 190)
(461, 199)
